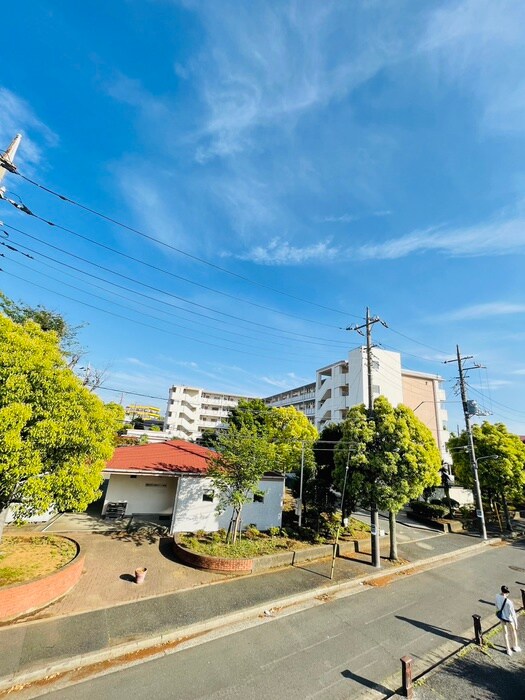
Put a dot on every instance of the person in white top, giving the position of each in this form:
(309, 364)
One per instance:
(508, 618)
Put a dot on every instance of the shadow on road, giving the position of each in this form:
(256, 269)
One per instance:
(433, 629)
(366, 682)
(476, 676)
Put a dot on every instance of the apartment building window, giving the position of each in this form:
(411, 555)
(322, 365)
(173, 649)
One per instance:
(376, 389)
(258, 497)
(208, 495)
(375, 364)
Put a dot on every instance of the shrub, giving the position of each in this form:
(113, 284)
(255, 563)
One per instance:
(216, 537)
(251, 533)
(328, 524)
(201, 534)
(428, 510)
(274, 531)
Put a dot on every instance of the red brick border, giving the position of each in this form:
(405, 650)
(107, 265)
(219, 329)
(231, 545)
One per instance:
(204, 561)
(22, 598)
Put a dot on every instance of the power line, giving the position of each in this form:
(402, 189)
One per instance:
(147, 325)
(173, 274)
(156, 289)
(141, 313)
(413, 340)
(110, 219)
(167, 312)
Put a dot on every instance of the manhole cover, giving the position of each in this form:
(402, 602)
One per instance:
(516, 568)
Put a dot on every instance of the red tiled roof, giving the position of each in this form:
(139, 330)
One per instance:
(177, 456)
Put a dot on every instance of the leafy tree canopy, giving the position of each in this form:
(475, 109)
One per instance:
(55, 435)
(250, 413)
(236, 470)
(391, 457)
(501, 459)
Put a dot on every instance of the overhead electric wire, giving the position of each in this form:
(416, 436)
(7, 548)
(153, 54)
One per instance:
(110, 219)
(156, 289)
(169, 313)
(514, 410)
(173, 274)
(413, 340)
(156, 318)
(126, 318)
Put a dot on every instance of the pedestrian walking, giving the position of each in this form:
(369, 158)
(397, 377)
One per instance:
(506, 614)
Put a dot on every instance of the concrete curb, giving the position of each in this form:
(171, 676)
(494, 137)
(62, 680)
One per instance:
(198, 633)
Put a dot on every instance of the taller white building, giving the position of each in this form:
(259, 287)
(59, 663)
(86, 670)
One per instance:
(343, 384)
(191, 410)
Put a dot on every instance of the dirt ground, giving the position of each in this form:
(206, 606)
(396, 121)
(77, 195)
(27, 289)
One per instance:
(26, 557)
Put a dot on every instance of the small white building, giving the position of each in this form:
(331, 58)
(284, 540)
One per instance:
(191, 410)
(170, 480)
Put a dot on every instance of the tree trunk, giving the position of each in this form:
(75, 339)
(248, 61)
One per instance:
(3, 516)
(393, 535)
(506, 511)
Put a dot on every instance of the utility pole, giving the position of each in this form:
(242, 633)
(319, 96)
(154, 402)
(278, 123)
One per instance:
(374, 514)
(7, 157)
(471, 448)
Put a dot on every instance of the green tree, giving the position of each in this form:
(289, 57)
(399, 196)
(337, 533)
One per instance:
(389, 458)
(252, 414)
(501, 462)
(55, 435)
(208, 438)
(290, 434)
(321, 493)
(236, 470)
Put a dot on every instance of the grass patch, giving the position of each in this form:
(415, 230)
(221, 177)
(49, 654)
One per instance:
(25, 558)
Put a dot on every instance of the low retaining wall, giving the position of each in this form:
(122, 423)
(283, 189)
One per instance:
(443, 525)
(263, 563)
(22, 598)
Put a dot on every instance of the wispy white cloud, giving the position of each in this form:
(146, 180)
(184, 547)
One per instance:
(290, 380)
(349, 218)
(498, 237)
(18, 117)
(479, 44)
(477, 311)
(519, 371)
(279, 252)
(317, 54)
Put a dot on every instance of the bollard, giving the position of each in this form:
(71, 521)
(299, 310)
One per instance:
(522, 597)
(406, 672)
(478, 633)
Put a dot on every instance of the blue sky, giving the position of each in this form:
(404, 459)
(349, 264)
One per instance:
(320, 156)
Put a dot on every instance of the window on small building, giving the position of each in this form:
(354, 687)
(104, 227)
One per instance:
(258, 497)
(208, 495)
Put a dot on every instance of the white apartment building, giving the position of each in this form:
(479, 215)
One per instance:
(343, 384)
(191, 410)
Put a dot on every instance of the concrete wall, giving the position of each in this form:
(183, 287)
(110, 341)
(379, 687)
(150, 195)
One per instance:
(144, 494)
(193, 513)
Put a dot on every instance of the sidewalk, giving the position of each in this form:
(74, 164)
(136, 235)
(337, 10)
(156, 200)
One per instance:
(37, 649)
(483, 674)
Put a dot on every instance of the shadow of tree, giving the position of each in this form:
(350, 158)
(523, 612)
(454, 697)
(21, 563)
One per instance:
(139, 532)
(487, 678)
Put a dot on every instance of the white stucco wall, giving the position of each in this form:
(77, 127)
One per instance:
(144, 494)
(192, 513)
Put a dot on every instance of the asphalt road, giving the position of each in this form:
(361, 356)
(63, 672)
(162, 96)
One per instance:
(336, 650)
